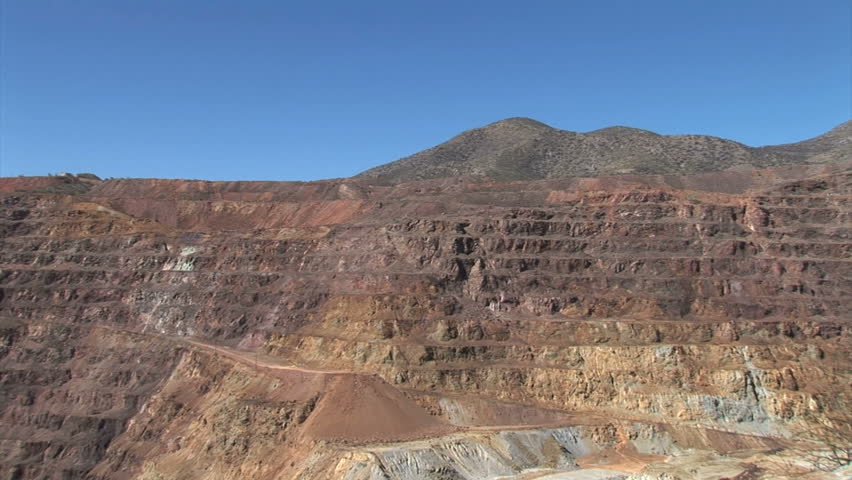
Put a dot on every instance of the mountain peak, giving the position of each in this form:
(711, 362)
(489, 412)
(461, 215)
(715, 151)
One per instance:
(520, 122)
(620, 131)
(520, 148)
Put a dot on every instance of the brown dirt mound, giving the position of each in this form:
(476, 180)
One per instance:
(364, 409)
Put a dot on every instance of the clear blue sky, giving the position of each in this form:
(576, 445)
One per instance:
(256, 89)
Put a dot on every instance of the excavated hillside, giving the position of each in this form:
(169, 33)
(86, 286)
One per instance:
(525, 149)
(641, 327)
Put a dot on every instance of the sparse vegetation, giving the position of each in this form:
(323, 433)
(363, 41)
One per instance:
(828, 441)
(524, 149)
(88, 176)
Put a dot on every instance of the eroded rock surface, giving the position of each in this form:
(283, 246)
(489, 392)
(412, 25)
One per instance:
(450, 329)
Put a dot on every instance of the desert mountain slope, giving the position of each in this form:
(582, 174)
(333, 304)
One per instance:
(834, 145)
(525, 149)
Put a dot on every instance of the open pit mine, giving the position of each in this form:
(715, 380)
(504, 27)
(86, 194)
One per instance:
(511, 323)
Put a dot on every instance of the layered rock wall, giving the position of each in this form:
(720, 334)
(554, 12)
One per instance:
(631, 300)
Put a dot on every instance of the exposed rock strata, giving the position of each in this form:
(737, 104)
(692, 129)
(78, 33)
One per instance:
(655, 313)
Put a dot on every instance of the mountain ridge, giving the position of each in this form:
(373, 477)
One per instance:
(520, 148)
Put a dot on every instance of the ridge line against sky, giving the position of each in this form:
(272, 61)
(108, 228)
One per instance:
(263, 90)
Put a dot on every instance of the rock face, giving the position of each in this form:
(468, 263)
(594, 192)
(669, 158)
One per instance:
(524, 149)
(450, 328)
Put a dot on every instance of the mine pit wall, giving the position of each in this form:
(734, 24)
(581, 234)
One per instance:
(748, 388)
(740, 308)
(469, 456)
(211, 418)
(511, 453)
(713, 310)
(67, 392)
(96, 403)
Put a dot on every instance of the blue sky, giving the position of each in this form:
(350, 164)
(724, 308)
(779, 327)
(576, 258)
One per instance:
(304, 90)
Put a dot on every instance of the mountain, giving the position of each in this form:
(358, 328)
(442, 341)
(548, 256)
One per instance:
(526, 149)
(834, 145)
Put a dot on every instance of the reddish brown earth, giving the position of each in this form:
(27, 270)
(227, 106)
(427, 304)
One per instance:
(166, 329)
